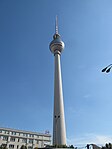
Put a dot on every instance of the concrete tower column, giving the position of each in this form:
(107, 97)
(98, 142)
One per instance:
(59, 131)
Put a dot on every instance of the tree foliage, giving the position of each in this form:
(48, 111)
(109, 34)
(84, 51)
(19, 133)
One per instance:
(60, 146)
(36, 148)
(23, 147)
(107, 146)
(3, 146)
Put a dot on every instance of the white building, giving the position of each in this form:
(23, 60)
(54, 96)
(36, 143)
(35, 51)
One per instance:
(14, 139)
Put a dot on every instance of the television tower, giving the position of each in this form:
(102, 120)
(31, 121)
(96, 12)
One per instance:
(59, 130)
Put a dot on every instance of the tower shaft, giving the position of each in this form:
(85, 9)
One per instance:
(59, 131)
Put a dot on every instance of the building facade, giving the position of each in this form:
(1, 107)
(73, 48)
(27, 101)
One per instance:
(14, 139)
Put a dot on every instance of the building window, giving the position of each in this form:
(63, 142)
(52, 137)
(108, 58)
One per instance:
(30, 141)
(5, 138)
(13, 133)
(25, 135)
(24, 140)
(11, 146)
(6, 132)
(30, 135)
(37, 136)
(37, 141)
(18, 139)
(12, 139)
(17, 146)
(0, 131)
(30, 147)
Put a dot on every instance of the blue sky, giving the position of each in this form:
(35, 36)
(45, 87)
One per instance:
(27, 66)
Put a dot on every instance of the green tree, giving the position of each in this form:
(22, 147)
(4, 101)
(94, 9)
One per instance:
(3, 146)
(71, 146)
(23, 147)
(107, 146)
(36, 148)
(110, 146)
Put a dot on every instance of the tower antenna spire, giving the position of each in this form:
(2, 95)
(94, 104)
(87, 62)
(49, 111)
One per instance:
(56, 25)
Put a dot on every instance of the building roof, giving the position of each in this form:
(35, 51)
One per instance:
(25, 131)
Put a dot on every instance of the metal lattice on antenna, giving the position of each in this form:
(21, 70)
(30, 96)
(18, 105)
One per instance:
(56, 25)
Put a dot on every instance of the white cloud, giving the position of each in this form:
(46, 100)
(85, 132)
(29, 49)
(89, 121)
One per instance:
(83, 140)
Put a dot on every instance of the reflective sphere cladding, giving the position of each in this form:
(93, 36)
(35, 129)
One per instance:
(56, 44)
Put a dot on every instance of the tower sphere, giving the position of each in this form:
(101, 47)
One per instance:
(57, 44)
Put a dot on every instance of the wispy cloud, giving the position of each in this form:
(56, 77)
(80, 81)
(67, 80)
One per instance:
(86, 96)
(89, 139)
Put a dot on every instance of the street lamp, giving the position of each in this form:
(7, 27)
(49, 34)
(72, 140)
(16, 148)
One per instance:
(107, 69)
